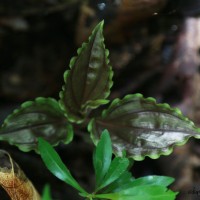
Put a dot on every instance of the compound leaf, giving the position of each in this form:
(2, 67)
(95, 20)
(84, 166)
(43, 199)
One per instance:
(88, 82)
(142, 127)
(40, 118)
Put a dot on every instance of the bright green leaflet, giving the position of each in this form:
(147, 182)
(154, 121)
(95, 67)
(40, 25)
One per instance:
(153, 180)
(142, 127)
(106, 171)
(117, 168)
(88, 82)
(125, 179)
(147, 192)
(55, 165)
(102, 157)
(121, 184)
(39, 118)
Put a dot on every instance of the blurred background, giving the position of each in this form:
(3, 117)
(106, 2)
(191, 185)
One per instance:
(154, 50)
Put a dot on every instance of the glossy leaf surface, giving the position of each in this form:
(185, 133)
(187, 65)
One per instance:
(142, 127)
(55, 165)
(153, 180)
(147, 180)
(102, 157)
(40, 118)
(88, 82)
(118, 166)
(125, 179)
(147, 192)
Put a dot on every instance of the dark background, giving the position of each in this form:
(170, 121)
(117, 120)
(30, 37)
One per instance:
(154, 50)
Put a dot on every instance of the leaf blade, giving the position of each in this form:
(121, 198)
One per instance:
(153, 180)
(102, 157)
(124, 180)
(39, 118)
(55, 165)
(149, 192)
(147, 180)
(88, 82)
(142, 127)
(118, 166)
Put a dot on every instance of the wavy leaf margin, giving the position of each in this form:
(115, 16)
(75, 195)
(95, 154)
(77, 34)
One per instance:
(97, 125)
(77, 111)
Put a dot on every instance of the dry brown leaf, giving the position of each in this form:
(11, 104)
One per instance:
(14, 181)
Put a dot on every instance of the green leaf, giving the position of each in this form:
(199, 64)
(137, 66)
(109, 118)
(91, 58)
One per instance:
(150, 192)
(55, 165)
(46, 193)
(124, 180)
(40, 118)
(147, 180)
(88, 82)
(147, 192)
(102, 157)
(142, 127)
(153, 180)
(118, 166)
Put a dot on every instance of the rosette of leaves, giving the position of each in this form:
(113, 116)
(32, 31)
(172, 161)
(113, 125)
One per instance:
(87, 85)
(137, 125)
(113, 180)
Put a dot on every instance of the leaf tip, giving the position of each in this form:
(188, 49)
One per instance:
(99, 27)
(102, 23)
(105, 133)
